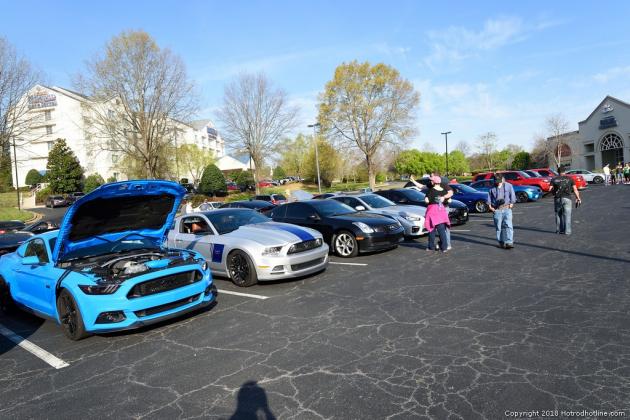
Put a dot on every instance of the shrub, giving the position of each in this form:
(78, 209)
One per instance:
(92, 182)
(212, 181)
(65, 174)
(245, 179)
(111, 179)
(33, 177)
(41, 195)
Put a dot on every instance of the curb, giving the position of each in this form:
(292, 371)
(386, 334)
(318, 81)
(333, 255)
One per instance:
(36, 217)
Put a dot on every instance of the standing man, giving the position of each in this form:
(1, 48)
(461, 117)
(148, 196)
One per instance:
(501, 199)
(606, 174)
(562, 186)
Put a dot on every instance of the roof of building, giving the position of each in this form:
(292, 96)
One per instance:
(608, 97)
(67, 92)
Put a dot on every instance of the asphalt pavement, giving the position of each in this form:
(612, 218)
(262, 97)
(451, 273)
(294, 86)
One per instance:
(479, 332)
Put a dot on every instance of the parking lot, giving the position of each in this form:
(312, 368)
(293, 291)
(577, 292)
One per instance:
(474, 333)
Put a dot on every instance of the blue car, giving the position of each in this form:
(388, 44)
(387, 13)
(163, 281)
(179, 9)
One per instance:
(474, 200)
(107, 268)
(523, 193)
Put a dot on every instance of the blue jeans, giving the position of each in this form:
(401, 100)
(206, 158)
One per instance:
(503, 225)
(441, 229)
(563, 207)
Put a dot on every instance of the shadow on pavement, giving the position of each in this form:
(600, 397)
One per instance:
(252, 403)
(19, 323)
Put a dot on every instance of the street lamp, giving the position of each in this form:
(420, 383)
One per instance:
(446, 138)
(315, 127)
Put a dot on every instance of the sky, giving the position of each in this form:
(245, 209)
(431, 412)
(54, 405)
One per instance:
(500, 66)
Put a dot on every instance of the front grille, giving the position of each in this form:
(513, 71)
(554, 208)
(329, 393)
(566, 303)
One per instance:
(307, 264)
(305, 246)
(164, 284)
(166, 307)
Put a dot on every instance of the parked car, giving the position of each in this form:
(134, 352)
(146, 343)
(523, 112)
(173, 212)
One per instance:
(210, 205)
(265, 184)
(411, 218)
(11, 240)
(272, 198)
(248, 247)
(56, 201)
(594, 177)
(457, 212)
(11, 225)
(523, 193)
(579, 181)
(475, 200)
(41, 227)
(72, 197)
(518, 178)
(323, 196)
(347, 231)
(231, 186)
(260, 206)
(107, 268)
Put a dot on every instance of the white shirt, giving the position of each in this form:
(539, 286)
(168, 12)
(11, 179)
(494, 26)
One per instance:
(606, 170)
(189, 208)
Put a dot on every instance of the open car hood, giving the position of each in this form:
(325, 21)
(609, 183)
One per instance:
(118, 211)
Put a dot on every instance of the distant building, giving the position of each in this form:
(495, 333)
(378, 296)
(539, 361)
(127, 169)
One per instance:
(603, 137)
(57, 112)
(229, 163)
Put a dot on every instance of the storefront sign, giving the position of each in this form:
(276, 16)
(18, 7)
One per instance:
(607, 108)
(41, 99)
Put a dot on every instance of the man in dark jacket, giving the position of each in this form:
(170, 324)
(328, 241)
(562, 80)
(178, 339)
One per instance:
(562, 187)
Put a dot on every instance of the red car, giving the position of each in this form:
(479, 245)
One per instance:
(518, 178)
(231, 186)
(264, 184)
(579, 180)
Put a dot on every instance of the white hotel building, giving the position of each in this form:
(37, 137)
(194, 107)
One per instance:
(58, 113)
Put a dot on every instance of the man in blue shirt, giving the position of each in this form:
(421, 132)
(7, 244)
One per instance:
(501, 199)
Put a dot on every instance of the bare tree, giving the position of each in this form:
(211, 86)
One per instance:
(487, 147)
(17, 76)
(463, 147)
(557, 126)
(255, 116)
(138, 94)
(540, 154)
(366, 107)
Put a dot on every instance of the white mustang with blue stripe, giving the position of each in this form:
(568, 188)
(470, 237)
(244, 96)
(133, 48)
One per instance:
(246, 246)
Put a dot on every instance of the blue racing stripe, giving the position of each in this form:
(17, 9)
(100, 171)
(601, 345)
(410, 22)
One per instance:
(296, 230)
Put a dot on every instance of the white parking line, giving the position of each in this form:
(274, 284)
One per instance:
(229, 292)
(340, 263)
(460, 230)
(34, 349)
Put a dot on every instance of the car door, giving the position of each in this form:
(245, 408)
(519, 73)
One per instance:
(34, 284)
(191, 233)
(304, 215)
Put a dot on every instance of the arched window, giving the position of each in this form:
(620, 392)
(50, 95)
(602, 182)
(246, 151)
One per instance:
(610, 141)
(565, 150)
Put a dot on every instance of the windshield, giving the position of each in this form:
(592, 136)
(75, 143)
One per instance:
(466, 188)
(414, 195)
(376, 201)
(225, 221)
(331, 207)
(130, 243)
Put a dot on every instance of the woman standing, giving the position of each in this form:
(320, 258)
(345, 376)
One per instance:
(626, 173)
(436, 218)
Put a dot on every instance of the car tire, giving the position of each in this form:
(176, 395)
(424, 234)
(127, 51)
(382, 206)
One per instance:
(521, 197)
(345, 244)
(7, 305)
(598, 180)
(70, 316)
(241, 270)
(481, 206)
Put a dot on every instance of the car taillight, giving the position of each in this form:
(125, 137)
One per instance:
(2, 232)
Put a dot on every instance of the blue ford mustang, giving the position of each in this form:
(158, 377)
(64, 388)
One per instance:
(107, 268)
(524, 193)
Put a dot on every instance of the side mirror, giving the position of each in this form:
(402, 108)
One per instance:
(32, 260)
(359, 208)
(314, 217)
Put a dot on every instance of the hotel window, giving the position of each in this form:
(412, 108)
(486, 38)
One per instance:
(47, 115)
(49, 129)
(50, 145)
(114, 158)
(110, 113)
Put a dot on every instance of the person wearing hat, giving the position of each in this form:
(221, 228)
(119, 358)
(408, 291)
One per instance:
(562, 187)
(501, 199)
(436, 218)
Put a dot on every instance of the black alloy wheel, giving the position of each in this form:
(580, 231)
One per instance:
(70, 316)
(522, 197)
(481, 206)
(598, 180)
(241, 269)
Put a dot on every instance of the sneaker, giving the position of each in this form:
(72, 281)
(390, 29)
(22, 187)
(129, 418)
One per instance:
(501, 245)
(449, 248)
(509, 246)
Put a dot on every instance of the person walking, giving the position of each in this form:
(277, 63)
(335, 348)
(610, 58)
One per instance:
(626, 173)
(606, 174)
(436, 218)
(188, 208)
(501, 199)
(562, 187)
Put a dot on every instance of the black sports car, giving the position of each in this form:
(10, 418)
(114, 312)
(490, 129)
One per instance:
(457, 213)
(347, 231)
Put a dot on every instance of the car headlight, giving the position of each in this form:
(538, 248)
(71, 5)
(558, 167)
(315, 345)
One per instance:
(99, 289)
(319, 241)
(272, 251)
(364, 228)
(412, 218)
(204, 266)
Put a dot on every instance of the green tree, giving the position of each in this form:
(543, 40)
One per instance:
(245, 179)
(328, 162)
(457, 163)
(65, 174)
(522, 160)
(293, 153)
(212, 181)
(415, 162)
(92, 182)
(279, 173)
(192, 160)
(367, 107)
(111, 179)
(33, 177)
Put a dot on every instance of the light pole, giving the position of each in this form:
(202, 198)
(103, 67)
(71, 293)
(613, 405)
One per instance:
(315, 127)
(446, 138)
